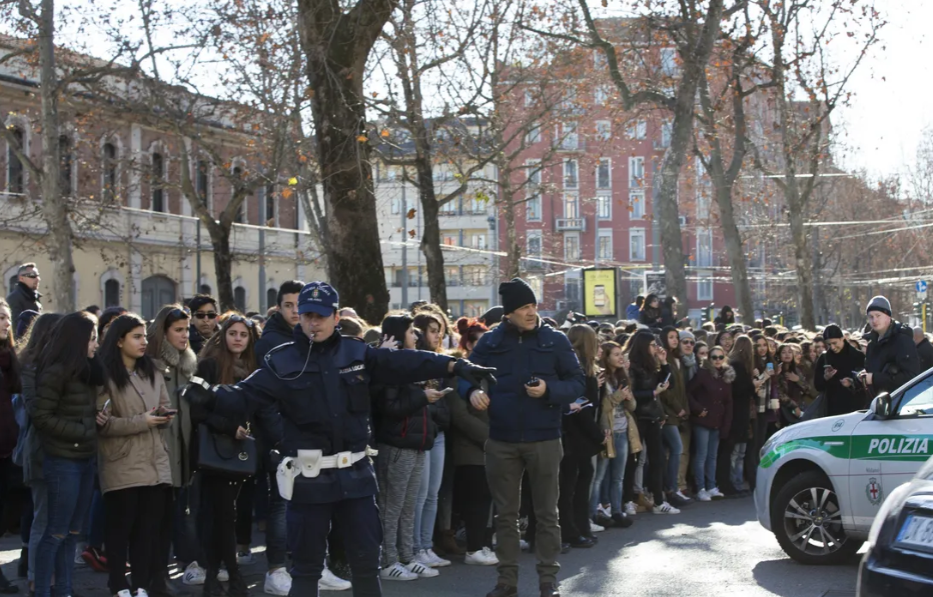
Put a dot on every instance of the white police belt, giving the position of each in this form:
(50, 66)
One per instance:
(310, 463)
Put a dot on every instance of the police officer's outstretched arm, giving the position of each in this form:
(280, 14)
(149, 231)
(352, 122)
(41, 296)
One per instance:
(255, 392)
(393, 367)
(571, 382)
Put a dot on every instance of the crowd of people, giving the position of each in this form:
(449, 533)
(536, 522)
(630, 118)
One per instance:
(586, 426)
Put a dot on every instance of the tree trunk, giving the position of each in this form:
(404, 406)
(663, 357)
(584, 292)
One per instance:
(804, 264)
(336, 45)
(54, 207)
(223, 265)
(668, 211)
(736, 253)
(431, 238)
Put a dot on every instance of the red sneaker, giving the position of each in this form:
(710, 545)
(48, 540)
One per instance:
(95, 559)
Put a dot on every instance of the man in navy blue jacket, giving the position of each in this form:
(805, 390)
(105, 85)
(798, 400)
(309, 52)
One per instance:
(538, 377)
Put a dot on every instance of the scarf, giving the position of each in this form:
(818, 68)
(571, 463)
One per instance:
(185, 362)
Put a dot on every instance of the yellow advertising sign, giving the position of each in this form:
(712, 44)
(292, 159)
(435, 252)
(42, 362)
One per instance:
(599, 292)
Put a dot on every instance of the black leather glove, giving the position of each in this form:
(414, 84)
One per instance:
(474, 375)
(199, 394)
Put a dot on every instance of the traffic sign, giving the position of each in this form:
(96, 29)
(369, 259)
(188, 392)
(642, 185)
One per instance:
(921, 286)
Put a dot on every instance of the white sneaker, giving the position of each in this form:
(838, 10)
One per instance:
(681, 495)
(279, 582)
(124, 593)
(595, 528)
(523, 545)
(600, 509)
(142, 593)
(665, 508)
(439, 562)
(631, 509)
(397, 572)
(715, 493)
(703, 496)
(331, 582)
(79, 549)
(483, 557)
(421, 570)
(223, 575)
(245, 558)
(194, 575)
(424, 559)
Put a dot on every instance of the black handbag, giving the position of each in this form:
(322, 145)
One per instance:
(222, 455)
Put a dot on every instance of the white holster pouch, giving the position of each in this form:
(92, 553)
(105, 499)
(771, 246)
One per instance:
(310, 463)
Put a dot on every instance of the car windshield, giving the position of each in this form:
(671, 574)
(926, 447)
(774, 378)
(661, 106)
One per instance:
(918, 399)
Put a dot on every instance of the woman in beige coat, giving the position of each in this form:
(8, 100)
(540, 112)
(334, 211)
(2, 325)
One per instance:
(134, 468)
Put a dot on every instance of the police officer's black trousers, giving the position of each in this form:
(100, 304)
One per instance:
(356, 521)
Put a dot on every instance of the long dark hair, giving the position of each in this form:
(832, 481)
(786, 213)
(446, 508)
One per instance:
(470, 330)
(67, 348)
(8, 345)
(672, 353)
(743, 353)
(618, 377)
(793, 360)
(395, 326)
(107, 316)
(639, 352)
(168, 315)
(38, 336)
(217, 350)
(112, 357)
(650, 299)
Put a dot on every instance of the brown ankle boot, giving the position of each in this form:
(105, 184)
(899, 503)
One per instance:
(448, 544)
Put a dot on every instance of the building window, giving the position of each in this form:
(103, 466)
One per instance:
(636, 172)
(667, 128)
(704, 247)
(396, 206)
(272, 298)
(449, 208)
(479, 241)
(529, 98)
(533, 206)
(111, 293)
(451, 239)
(203, 182)
(240, 216)
(533, 135)
(474, 275)
(157, 183)
(569, 103)
(604, 206)
(603, 130)
(239, 299)
(109, 165)
(705, 287)
(567, 134)
(636, 244)
(66, 163)
(636, 205)
(637, 130)
(204, 289)
(16, 179)
(669, 62)
(570, 174)
(452, 277)
(270, 205)
(604, 174)
(572, 290)
(601, 95)
(604, 244)
(533, 243)
(571, 206)
(533, 193)
(572, 246)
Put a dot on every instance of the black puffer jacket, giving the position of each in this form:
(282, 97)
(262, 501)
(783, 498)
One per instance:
(647, 405)
(64, 410)
(402, 418)
(276, 332)
(891, 359)
(925, 351)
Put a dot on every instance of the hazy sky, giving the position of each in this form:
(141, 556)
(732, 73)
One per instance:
(894, 92)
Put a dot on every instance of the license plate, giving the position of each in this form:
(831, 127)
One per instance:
(917, 532)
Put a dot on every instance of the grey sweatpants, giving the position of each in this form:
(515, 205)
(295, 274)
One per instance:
(399, 475)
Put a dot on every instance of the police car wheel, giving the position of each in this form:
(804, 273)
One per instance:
(807, 521)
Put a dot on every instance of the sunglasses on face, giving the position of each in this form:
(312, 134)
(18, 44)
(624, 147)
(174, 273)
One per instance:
(688, 342)
(718, 357)
(240, 319)
(208, 315)
(30, 275)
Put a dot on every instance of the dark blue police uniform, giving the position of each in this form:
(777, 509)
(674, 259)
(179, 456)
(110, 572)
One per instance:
(322, 392)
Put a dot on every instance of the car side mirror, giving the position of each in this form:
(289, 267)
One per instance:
(881, 405)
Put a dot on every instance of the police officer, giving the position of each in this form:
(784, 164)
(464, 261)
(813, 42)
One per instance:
(320, 382)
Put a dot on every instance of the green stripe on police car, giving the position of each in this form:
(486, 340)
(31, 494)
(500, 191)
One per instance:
(898, 448)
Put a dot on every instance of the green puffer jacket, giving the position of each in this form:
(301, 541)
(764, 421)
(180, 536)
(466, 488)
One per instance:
(674, 399)
(64, 412)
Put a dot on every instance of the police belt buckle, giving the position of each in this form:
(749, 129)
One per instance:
(310, 462)
(344, 459)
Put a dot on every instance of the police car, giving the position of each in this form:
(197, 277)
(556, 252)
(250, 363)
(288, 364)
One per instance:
(820, 483)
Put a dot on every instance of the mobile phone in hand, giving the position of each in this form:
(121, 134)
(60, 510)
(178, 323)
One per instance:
(446, 391)
(534, 382)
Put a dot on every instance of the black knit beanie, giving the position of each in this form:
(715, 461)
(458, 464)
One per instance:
(515, 294)
(832, 331)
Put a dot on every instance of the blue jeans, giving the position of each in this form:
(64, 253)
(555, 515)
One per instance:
(737, 466)
(616, 469)
(706, 442)
(40, 519)
(70, 487)
(670, 436)
(426, 506)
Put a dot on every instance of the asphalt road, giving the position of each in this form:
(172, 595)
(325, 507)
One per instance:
(711, 549)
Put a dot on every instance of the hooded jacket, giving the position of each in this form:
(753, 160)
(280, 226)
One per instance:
(892, 358)
(712, 392)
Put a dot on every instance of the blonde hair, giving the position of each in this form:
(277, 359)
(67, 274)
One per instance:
(585, 343)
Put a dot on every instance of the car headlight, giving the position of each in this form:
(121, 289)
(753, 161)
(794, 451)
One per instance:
(889, 507)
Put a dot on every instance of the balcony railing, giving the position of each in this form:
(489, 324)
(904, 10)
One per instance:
(570, 224)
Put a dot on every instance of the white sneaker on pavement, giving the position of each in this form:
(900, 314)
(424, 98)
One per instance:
(142, 593)
(631, 509)
(703, 496)
(665, 508)
(524, 545)
(715, 493)
(194, 575)
(279, 582)
(79, 549)
(397, 572)
(682, 496)
(421, 570)
(439, 562)
(600, 509)
(483, 557)
(595, 528)
(245, 558)
(331, 582)
(124, 593)
(223, 575)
